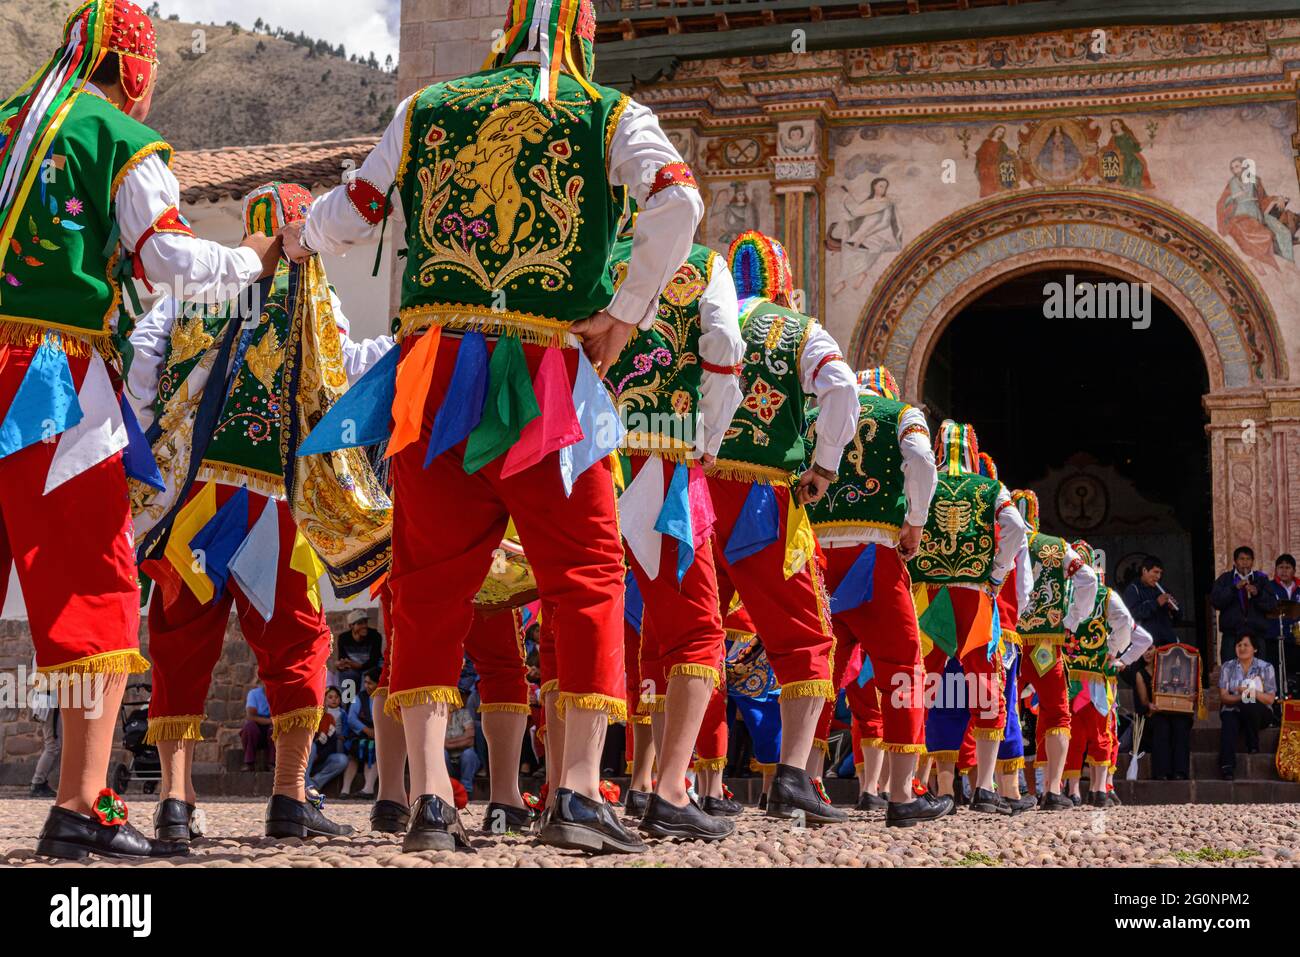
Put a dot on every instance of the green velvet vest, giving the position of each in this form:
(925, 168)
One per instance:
(56, 273)
(765, 440)
(869, 493)
(1044, 618)
(510, 215)
(959, 541)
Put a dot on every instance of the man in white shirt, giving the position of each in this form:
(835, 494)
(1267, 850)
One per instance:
(511, 183)
(103, 212)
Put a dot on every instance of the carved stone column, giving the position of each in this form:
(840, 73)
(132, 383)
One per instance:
(799, 170)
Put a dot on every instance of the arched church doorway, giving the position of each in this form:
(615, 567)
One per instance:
(1104, 421)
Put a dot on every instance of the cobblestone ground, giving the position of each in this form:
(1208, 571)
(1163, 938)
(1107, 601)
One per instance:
(1242, 835)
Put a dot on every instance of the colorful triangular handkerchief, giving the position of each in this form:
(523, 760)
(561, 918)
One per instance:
(462, 408)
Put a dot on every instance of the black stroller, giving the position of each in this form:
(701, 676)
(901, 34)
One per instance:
(143, 765)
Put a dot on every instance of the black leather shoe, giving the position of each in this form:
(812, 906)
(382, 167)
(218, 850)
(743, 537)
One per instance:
(989, 802)
(635, 804)
(286, 817)
(1075, 800)
(762, 801)
(43, 790)
(75, 837)
(1112, 799)
(873, 802)
(389, 817)
(506, 817)
(927, 807)
(1026, 802)
(687, 823)
(722, 807)
(1097, 799)
(173, 820)
(579, 823)
(435, 826)
(793, 796)
(1055, 801)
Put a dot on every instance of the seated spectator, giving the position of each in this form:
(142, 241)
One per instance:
(1153, 608)
(256, 732)
(463, 761)
(328, 752)
(1243, 597)
(1168, 734)
(361, 735)
(1247, 690)
(356, 651)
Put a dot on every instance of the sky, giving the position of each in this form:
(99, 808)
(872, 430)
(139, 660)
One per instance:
(361, 25)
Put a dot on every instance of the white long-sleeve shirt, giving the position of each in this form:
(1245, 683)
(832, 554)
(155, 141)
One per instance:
(1128, 640)
(665, 223)
(919, 482)
(1083, 585)
(1012, 535)
(836, 389)
(720, 345)
(152, 333)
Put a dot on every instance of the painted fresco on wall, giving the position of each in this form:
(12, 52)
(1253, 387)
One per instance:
(1231, 168)
(734, 205)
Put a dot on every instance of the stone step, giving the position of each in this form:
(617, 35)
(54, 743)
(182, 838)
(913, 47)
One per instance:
(1204, 766)
(1206, 738)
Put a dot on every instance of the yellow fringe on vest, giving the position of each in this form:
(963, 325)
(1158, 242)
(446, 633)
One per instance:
(181, 727)
(126, 661)
(510, 707)
(695, 671)
(616, 708)
(527, 327)
(429, 694)
(308, 718)
(710, 764)
(735, 471)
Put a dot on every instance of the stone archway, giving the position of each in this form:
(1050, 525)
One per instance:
(1254, 430)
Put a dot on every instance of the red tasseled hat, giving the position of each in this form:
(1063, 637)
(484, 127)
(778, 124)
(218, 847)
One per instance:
(133, 38)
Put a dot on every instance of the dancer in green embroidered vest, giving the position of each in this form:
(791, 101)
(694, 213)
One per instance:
(216, 394)
(87, 206)
(1063, 589)
(676, 388)
(512, 182)
(869, 523)
(966, 552)
(760, 488)
(1106, 641)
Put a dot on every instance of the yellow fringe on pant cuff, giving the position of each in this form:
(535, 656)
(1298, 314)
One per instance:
(761, 768)
(1064, 731)
(917, 749)
(308, 718)
(181, 727)
(822, 745)
(1099, 763)
(989, 734)
(638, 718)
(380, 692)
(512, 707)
(815, 688)
(1068, 775)
(943, 755)
(127, 661)
(710, 764)
(1009, 765)
(965, 770)
(695, 671)
(430, 694)
(652, 704)
(876, 744)
(549, 686)
(616, 708)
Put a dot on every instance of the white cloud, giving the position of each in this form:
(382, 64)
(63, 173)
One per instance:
(361, 25)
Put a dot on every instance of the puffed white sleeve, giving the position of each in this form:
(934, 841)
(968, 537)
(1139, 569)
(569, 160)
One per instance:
(358, 356)
(186, 267)
(1024, 580)
(1011, 536)
(919, 475)
(643, 159)
(1083, 586)
(351, 214)
(722, 349)
(149, 339)
(824, 373)
(1128, 640)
